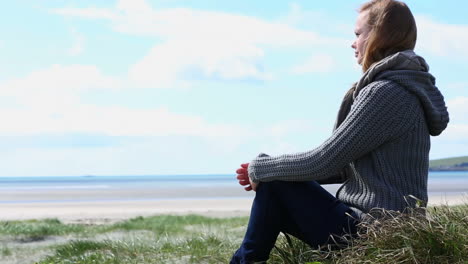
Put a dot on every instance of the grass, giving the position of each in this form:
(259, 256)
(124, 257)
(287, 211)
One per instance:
(34, 230)
(204, 240)
(202, 249)
(6, 251)
(158, 239)
(440, 237)
(169, 224)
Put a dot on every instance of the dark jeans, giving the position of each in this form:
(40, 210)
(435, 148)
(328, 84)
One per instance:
(302, 209)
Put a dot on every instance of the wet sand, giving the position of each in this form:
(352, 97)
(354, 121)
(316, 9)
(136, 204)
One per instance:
(110, 205)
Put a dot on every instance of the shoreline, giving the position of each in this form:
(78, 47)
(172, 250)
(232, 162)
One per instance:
(104, 205)
(108, 212)
(100, 212)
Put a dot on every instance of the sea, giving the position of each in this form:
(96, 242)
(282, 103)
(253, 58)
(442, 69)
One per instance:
(106, 182)
(15, 189)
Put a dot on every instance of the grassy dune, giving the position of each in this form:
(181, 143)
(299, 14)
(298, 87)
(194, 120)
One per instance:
(441, 237)
(448, 162)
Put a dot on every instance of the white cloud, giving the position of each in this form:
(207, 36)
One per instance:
(277, 138)
(48, 102)
(185, 61)
(196, 44)
(286, 127)
(210, 25)
(159, 155)
(320, 63)
(451, 143)
(91, 13)
(295, 14)
(78, 44)
(315, 20)
(57, 78)
(279, 147)
(457, 129)
(56, 87)
(133, 6)
(442, 39)
(458, 86)
(455, 133)
(458, 109)
(111, 121)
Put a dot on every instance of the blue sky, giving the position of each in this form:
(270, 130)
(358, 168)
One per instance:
(135, 87)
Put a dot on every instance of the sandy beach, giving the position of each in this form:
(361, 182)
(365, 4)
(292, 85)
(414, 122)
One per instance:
(110, 205)
(102, 206)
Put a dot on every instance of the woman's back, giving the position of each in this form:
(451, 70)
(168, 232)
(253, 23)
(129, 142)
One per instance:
(397, 170)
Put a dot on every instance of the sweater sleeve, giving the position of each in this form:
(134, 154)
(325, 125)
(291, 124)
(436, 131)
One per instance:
(377, 115)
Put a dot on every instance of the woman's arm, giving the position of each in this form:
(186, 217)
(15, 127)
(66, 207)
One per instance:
(340, 177)
(337, 178)
(379, 114)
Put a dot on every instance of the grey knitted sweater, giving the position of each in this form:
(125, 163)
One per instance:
(385, 139)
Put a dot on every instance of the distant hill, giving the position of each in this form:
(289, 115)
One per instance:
(449, 164)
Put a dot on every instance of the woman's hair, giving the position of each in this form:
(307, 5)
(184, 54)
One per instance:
(392, 29)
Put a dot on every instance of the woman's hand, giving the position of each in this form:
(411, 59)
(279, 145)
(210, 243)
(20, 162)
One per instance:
(243, 177)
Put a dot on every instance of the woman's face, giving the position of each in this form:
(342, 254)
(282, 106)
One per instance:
(361, 30)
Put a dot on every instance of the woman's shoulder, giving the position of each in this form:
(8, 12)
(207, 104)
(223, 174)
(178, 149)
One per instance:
(384, 89)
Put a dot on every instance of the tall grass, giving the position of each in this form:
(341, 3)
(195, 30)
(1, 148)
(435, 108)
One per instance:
(175, 239)
(439, 237)
(171, 224)
(34, 230)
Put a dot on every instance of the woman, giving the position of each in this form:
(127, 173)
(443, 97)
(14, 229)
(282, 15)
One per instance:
(379, 147)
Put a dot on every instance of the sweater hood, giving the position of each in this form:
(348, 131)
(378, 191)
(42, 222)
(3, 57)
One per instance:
(411, 71)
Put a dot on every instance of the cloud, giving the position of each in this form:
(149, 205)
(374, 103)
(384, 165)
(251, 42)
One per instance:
(442, 39)
(146, 156)
(91, 12)
(182, 62)
(287, 136)
(457, 130)
(456, 133)
(203, 45)
(458, 109)
(78, 44)
(458, 86)
(451, 143)
(314, 20)
(198, 24)
(82, 119)
(320, 63)
(55, 88)
(286, 127)
(110, 121)
(48, 102)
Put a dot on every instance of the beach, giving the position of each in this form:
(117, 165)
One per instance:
(107, 205)
(138, 220)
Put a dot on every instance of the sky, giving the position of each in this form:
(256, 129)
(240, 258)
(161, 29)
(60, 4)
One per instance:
(135, 87)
